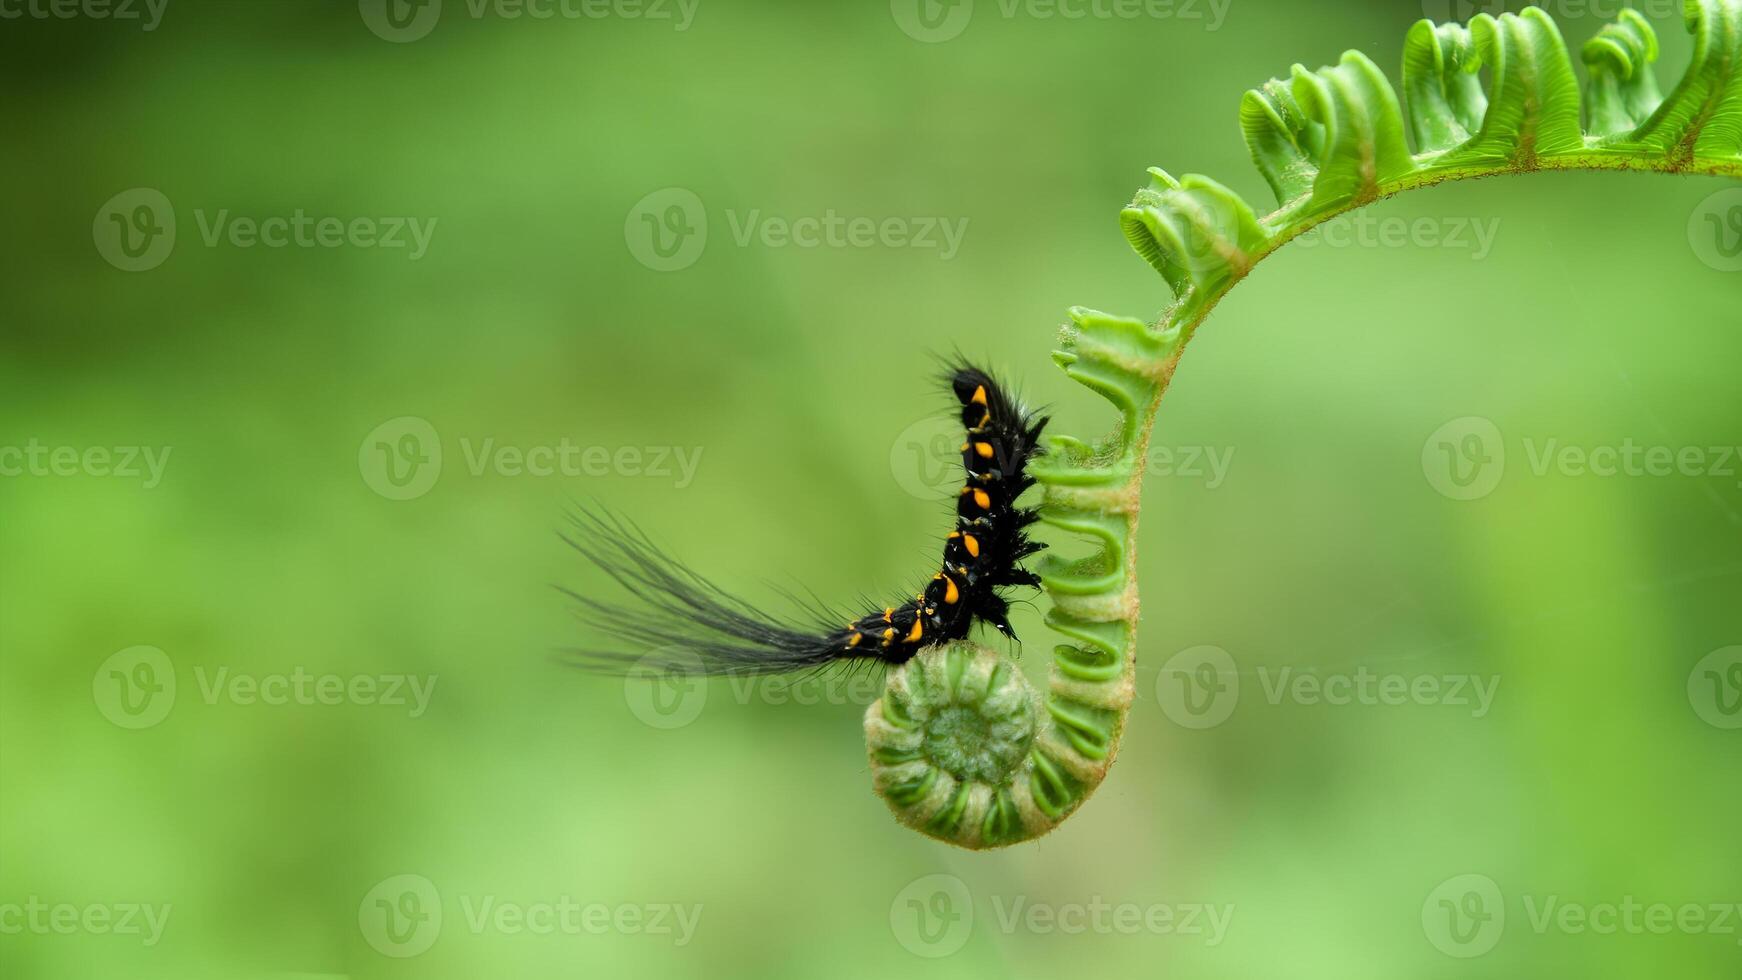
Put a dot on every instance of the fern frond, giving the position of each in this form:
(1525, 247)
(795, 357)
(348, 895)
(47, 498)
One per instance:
(1498, 96)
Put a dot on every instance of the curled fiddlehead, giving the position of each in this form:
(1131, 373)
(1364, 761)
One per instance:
(1327, 141)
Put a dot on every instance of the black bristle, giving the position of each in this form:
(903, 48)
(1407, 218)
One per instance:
(684, 622)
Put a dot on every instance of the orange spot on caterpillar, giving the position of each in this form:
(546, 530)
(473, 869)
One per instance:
(918, 631)
(854, 640)
(973, 544)
(979, 395)
(888, 637)
(984, 449)
(887, 613)
(952, 595)
(982, 499)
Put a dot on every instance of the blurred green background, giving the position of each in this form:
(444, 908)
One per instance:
(270, 547)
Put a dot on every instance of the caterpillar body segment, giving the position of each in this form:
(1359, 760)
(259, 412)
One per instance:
(683, 621)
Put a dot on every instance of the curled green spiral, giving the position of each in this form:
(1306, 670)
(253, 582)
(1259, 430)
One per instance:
(961, 751)
(1327, 142)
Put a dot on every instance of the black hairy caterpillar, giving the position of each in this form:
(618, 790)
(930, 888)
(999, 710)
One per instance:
(683, 612)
